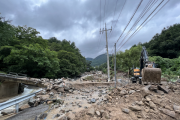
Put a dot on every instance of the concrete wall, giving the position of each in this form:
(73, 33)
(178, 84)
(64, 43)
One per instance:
(8, 89)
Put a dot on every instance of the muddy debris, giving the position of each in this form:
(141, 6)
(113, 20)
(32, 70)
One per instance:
(144, 103)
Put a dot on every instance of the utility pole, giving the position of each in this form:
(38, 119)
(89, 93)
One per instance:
(107, 49)
(115, 66)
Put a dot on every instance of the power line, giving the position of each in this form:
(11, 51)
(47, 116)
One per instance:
(103, 24)
(100, 26)
(151, 18)
(117, 20)
(145, 21)
(114, 12)
(130, 20)
(104, 11)
(139, 18)
(149, 5)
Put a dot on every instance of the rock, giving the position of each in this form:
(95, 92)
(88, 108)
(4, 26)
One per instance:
(43, 116)
(131, 91)
(93, 100)
(139, 116)
(125, 110)
(7, 111)
(168, 112)
(156, 101)
(168, 107)
(148, 98)
(55, 87)
(165, 90)
(135, 108)
(153, 88)
(70, 90)
(43, 97)
(57, 115)
(91, 112)
(21, 88)
(59, 101)
(70, 116)
(123, 92)
(51, 94)
(152, 105)
(63, 117)
(146, 110)
(105, 115)
(98, 113)
(140, 103)
(176, 108)
(56, 106)
(178, 80)
(60, 89)
(32, 102)
(49, 102)
(145, 91)
(24, 107)
(66, 88)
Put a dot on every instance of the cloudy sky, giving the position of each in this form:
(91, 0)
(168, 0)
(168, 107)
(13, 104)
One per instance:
(80, 20)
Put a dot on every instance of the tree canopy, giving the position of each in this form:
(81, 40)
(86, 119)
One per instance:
(22, 50)
(166, 44)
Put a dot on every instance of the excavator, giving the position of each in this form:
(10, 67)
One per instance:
(148, 72)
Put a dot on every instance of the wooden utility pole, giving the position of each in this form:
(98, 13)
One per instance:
(107, 49)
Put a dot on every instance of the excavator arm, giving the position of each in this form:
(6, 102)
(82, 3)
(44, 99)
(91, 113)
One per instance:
(149, 72)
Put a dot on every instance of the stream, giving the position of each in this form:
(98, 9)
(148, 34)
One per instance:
(27, 90)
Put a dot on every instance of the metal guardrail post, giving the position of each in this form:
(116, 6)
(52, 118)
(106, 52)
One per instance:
(16, 75)
(17, 108)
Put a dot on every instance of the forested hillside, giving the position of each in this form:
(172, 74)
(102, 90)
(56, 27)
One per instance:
(22, 50)
(166, 44)
(98, 60)
(89, 59)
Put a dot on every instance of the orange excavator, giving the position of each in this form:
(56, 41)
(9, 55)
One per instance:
(148, 73)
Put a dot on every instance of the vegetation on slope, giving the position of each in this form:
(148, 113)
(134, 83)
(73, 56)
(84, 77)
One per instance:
(166, 44)
(22, 50)
(98, 60)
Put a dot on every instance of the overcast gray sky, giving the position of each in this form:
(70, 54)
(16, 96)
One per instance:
(80, 20)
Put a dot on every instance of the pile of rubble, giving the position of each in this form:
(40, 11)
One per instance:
(94, 76)
(138, 102)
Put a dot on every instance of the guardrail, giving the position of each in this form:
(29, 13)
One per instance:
(16, 101)
(14, 75)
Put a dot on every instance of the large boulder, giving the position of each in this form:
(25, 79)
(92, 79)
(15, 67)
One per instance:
(32, 102)
(91, 112)
(7, 111)
(135, 108)
(21, 88)
(66, 88)
(168, 112)
(60, 89)
(70, 116)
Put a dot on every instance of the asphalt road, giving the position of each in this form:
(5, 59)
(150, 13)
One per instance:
(30, 113)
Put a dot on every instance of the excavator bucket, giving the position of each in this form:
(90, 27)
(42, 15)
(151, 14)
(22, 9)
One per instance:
(151, 75)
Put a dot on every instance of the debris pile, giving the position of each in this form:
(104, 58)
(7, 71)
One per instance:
(138, 102)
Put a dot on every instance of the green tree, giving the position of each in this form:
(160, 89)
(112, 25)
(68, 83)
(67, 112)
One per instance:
(6, 32)
(34, 61)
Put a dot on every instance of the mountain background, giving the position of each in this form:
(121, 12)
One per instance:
(98, 60)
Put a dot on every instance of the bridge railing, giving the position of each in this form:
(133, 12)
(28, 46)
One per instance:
(16, 101)
(14, 75)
